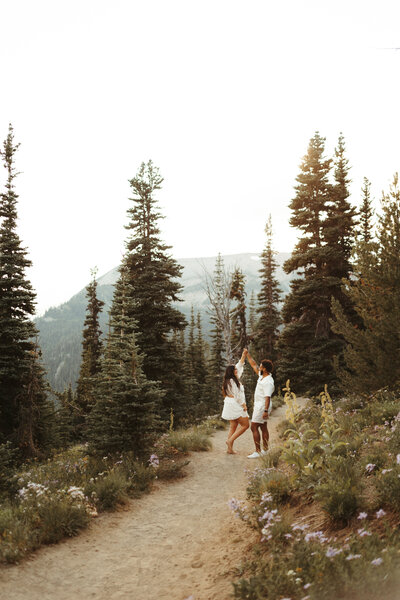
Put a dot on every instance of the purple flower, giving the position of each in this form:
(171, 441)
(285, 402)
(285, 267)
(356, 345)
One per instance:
(384, 471)
(362, 515)
(154, 461)
(353, 556)
(377, 561)
(398, 459)
(331, 552)
(380, 513)
(363, 532)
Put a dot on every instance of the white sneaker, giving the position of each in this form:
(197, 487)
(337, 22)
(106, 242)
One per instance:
(254, 455)
(263, 452)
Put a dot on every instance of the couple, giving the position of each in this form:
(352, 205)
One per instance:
(235, 409)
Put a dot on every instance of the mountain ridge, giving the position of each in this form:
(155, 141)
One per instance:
(60, 327)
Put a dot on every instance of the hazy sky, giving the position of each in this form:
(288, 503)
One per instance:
(222, 95)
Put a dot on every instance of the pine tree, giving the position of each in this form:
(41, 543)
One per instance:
(219, 314)
(321, 258)
(372, 354)
(124, 417)
(25, 411)
(252, 314)
(268, 299)
(91, 353)
(153, 276)
(366, 212)
(239, 325)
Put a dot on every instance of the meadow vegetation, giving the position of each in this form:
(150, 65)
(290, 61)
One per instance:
(325, 504)
(42, 502)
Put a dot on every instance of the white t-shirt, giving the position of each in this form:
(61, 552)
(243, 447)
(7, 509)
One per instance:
(265, 387)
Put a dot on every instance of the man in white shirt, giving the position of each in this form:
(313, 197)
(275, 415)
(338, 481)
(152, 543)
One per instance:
(262, 404)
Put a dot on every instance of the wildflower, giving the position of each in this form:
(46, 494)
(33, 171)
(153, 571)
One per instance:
(332, 552)
(353, 556)
(315, 535)
(384, 471)
(288, 536)
(291, 573)
(370, 467)
(307, 585)
(363, 532)
(297, 580)
(76, 493)
(377, 561)
(362, 515)
(398, 459)
(266, 497)
(380, 513)
(154, 461)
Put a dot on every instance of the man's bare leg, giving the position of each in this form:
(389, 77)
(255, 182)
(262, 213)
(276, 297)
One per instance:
(256, 435)
(265, 435)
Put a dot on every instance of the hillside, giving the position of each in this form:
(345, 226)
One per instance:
(61, 327)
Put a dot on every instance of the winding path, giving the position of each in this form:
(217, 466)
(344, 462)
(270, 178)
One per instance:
(180, 541)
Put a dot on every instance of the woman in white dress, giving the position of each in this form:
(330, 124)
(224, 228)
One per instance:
(235, 409)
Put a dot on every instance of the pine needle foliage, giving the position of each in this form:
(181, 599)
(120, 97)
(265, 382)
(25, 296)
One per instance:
(268, 301)
(321, 259)
(25, 411)
(153, 277)
(125, 416)
(372, 354)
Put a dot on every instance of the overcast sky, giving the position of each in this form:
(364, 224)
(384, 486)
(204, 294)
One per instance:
(222, 95)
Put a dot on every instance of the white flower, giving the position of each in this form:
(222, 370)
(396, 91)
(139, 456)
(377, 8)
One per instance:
(362, 515)
(353, 556)
(291, 573)
(370, 467)
(377, 561)
(380, 513)
(398, 459)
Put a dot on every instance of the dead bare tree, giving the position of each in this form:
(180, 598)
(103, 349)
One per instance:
(218, 289)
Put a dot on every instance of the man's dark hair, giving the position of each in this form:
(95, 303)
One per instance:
(267, 364)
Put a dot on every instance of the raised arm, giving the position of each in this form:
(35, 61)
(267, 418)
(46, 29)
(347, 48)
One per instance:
(253, 363)
(243, 357)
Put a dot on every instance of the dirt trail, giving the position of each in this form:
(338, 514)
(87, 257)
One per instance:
(179, 541)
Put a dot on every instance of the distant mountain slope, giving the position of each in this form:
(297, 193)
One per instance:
(61, 327)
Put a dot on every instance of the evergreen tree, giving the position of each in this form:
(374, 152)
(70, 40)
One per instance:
(216, 362)
(25, 411)
(153, 277)
(268, 299)
(372, 354)
(321, 258)
(91, 353)
(239, 325)
(252, 314)
(124, 417)
(366, 212)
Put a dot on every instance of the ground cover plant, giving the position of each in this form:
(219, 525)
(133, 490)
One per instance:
(327, 510)
(43, 502)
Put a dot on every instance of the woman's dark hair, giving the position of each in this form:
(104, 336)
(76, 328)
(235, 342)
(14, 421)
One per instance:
(229, 374)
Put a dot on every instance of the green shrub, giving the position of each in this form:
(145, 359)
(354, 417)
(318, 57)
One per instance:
(213, 423)
(59, 519)
(108, 491)
(269, 480)
(388, 487)
(171, 469)
(8, 457)
(271, 459)
(187, 441)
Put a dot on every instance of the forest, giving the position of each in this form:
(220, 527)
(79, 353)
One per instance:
(150, 384)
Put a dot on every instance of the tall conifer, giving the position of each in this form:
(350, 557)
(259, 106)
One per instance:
(25, 411)
(91, 353)
(366, 212)
(125, 415)
(153, 276)
(321, 258)
(268, 300)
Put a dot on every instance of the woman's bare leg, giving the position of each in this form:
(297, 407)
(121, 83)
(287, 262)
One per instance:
(243, 426)
(232, 428)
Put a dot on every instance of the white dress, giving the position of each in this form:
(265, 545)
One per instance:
(233, 407)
